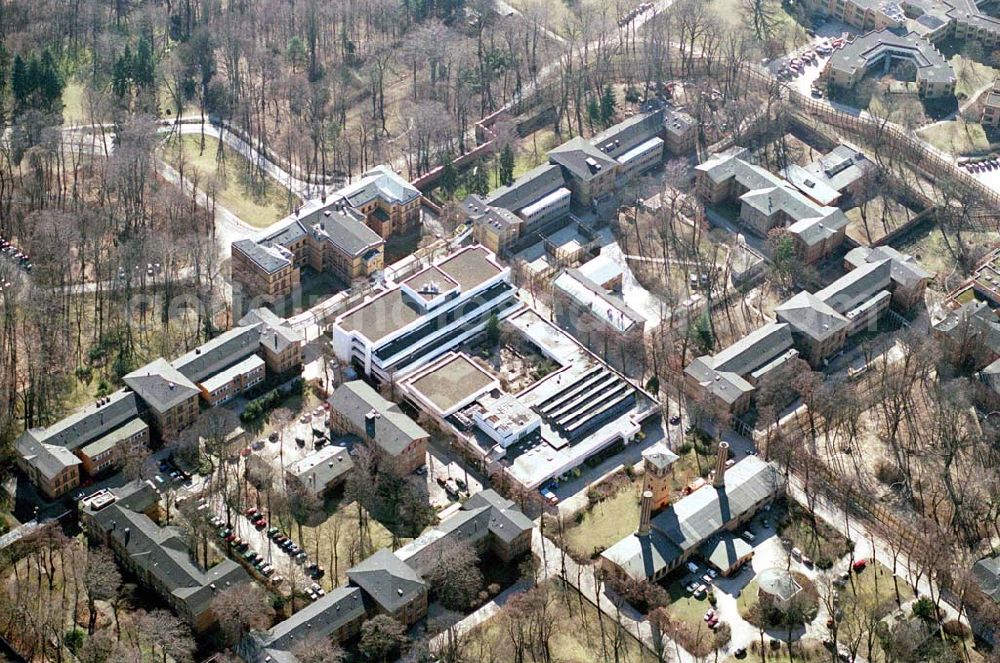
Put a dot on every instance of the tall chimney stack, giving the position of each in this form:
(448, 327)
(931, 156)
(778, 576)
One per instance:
(719, 481)
(645, 509)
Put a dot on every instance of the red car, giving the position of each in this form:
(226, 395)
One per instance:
(250, 511)
(230, 537)
(261, 524)
(859, 565)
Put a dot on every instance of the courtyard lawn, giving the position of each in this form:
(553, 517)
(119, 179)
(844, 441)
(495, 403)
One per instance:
(340, 541)
(930, 249)
(259, 207)
(579, 634)
(956, 137)
(884, 215)
(605, 523)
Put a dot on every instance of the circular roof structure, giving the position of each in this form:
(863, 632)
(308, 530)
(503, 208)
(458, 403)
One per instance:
(778, 583)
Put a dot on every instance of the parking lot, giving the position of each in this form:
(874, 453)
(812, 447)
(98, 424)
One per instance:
(806, 70)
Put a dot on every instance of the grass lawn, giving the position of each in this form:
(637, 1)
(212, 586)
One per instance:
(532, 150)
(860, 593)
(577, 635)
(259, 208)
(73, 103)
(884, 215)
(971, 76)
(930, 250)
(733, 14)
(956, 136)
(352, 545)
(686, 608)
(821, 543)
(748, 597)
(606, 522)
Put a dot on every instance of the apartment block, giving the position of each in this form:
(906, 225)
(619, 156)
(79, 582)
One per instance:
(123, 519)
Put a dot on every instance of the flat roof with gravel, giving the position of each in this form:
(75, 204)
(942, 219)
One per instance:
(391, 311)
(450, 382)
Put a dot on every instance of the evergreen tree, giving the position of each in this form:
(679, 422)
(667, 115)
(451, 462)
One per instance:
(607, 106)
(594, 118)
(121, 74)
(449, 178)
(479, 182)
(506, 165)
(50, 85)
(20, 82)
(144, 64)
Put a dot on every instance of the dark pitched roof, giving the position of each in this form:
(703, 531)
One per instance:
(389, 581)
(162, 551)
(49, 459)
(506, 521)
(319, 469)
(534, 184)
(320, 618)
(583, 160)
(224, 350)
(267, 257)
(692, 519)
(275, 334)
(394, 431)
(987, 574)
(161, 385)
(344, 228)
(90, 422)
(641, 557)
(809, 315)
(625, 135)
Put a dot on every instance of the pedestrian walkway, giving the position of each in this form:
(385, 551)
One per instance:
(440, 641)
(556, 564)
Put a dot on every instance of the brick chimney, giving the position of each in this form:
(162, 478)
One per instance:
(645, 508)
(719, 481)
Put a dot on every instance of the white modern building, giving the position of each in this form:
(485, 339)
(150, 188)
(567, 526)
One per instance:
(425, 315)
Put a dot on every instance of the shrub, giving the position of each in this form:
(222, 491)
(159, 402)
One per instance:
(723, 634)
(642, 595)
(824, 563)
(956, 629)
(74, 639)
(924, 609)
(887, 472)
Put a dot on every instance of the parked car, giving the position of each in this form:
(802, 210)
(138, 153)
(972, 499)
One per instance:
(859, 565)
(692, 567)
(675, 420)
(250, 511)
(748, 536)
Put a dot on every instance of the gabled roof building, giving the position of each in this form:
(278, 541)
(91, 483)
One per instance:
(159, 556)
(358, 409)
(664, 542)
